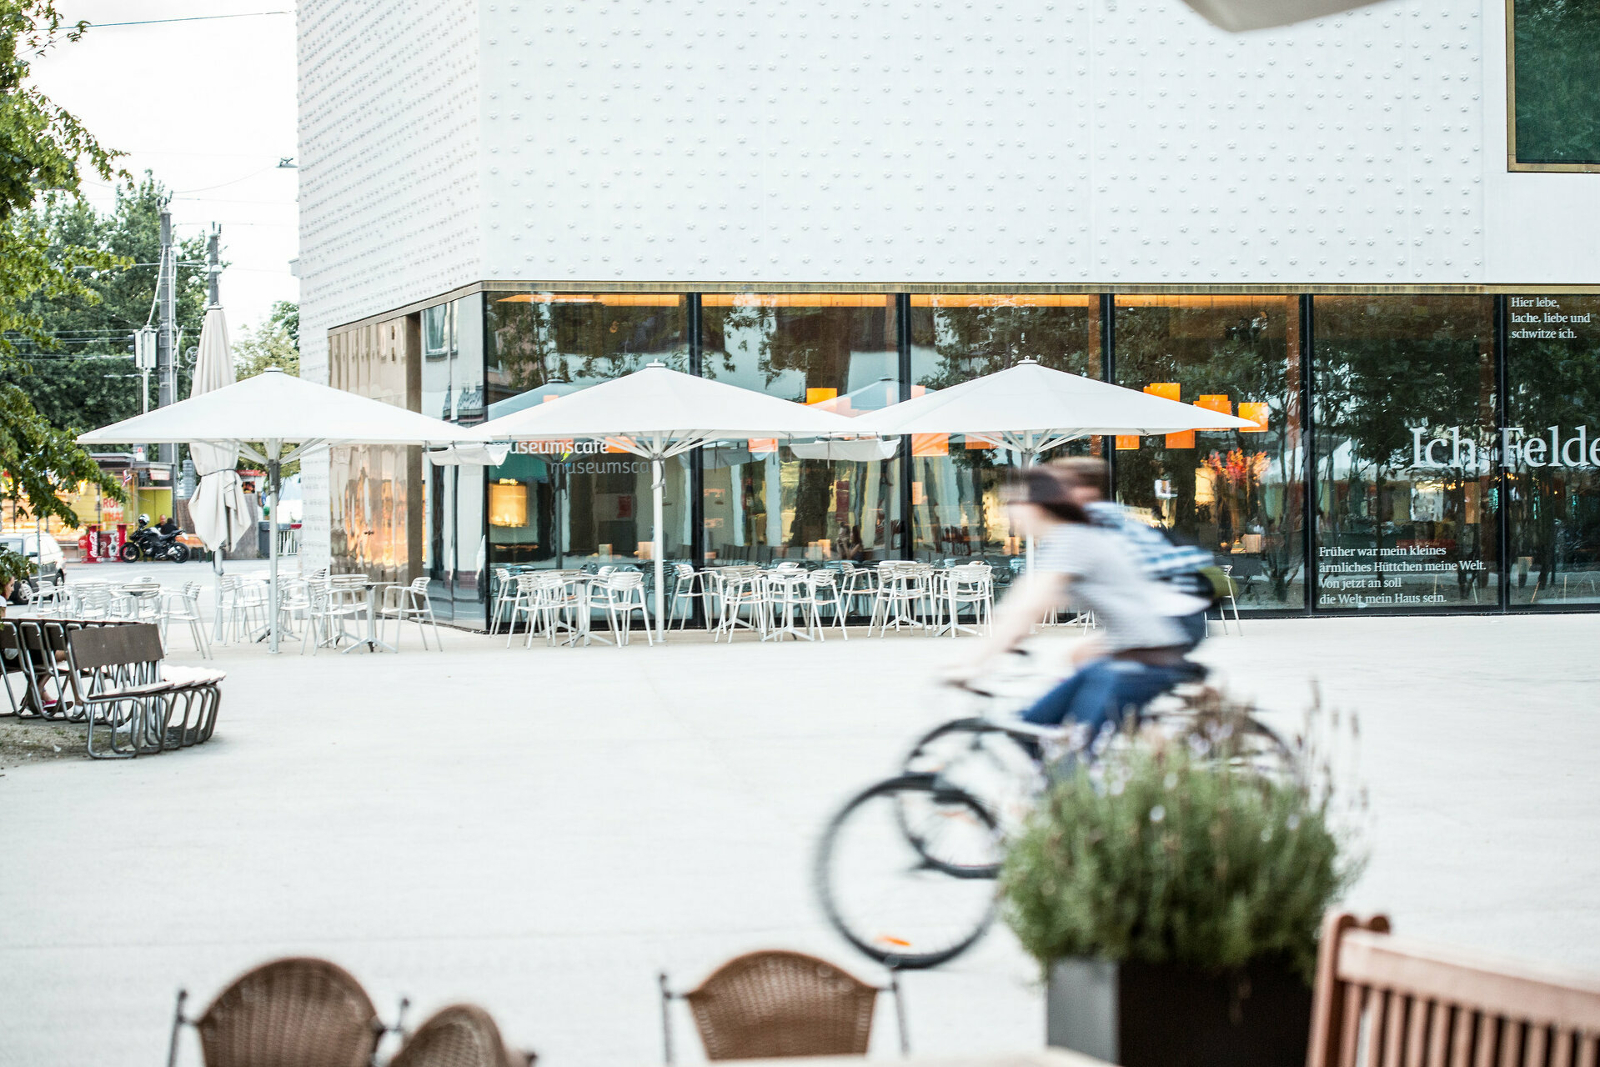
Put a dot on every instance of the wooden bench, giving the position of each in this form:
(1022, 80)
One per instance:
(1382, 1001)
(119, 682)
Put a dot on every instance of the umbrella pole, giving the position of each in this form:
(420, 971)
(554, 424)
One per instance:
(273, 470)
(216, 567)
(1027, 461)
(658, 489)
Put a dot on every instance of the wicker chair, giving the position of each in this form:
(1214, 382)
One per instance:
(774, 1003)
(287, 1013)
(462, 1035)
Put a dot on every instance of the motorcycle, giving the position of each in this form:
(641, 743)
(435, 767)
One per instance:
(147, 542)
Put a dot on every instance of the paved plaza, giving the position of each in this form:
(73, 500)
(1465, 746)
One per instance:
(543, 831)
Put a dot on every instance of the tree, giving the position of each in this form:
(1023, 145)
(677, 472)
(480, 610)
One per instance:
(81, 375)
(275, 343)
(42, 148)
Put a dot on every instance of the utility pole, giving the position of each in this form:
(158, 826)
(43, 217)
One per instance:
(213, 266)
(166, 337)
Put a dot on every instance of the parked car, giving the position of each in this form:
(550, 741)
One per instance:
(40, 549)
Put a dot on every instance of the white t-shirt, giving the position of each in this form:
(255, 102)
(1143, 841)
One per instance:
(1131, 610)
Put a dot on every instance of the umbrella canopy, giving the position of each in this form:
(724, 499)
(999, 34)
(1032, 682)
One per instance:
(278, 407)
(658, 413)
(218, 508)
(286, 415)
(1033, 409)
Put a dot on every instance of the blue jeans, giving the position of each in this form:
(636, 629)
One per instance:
(1104, 689)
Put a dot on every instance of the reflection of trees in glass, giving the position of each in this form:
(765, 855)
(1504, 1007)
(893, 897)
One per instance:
(1557, 81)
(1385, 366)
(816, 343)
(1554, 511)
(531, 344)
(1219, 349)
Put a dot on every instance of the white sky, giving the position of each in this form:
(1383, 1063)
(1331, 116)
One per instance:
(209, 107)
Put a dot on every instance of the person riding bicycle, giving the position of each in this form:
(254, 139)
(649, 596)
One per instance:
(1178, 567)
(1138, 651)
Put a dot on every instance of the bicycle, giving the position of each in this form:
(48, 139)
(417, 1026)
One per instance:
(931, 839)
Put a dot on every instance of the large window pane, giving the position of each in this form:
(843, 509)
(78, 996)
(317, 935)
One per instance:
(955, 482)
(1556, 82)
(566, 504)
(375, 505)
(1406, 482)
(1239, 494)
(763, 500)
(1551, 452)
(453, 545)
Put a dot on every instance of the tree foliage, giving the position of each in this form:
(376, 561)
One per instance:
(275, 343)
(42, 150)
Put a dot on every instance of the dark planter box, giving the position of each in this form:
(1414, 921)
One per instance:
(1164, 1015)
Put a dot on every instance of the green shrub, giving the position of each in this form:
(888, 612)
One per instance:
(1161, 855)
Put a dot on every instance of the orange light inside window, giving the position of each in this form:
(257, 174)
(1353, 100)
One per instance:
(818, 396)
(1256, 413)
(930, 444)
(759, 445)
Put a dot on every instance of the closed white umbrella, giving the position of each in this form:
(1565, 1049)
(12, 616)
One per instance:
(1031, 409)
(218, 510)
(657, 413)
(288, 415)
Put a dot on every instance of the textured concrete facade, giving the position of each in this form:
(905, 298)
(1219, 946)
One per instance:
(1027, 141)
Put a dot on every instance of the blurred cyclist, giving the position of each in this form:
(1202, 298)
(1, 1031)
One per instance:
(1180, 568)
(1137, 652)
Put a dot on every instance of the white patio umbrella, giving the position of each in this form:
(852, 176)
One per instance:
(1031, 409)
(657, 413)
(288, 415)
(218, 508)
(1240, 15)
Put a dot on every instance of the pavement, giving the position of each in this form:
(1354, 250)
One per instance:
(543, 831)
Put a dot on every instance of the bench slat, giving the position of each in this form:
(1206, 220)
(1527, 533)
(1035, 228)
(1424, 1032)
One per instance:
(1511, 990)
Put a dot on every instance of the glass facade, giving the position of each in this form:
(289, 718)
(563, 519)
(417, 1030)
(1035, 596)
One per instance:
(956, 511)
(376, 518)
(562, 504)
(454, 549)
(1238, 493)
(1406, 401)
(1390, 429)
(1552, 453)
(766, 499)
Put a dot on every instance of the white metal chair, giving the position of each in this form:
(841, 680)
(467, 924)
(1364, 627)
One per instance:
(825, 592)
(688, 585)
(903, 589)
(622, 594)
(505, 596)
(969, 585)
(739, 589)
(184, 607)
(1228, 600)
(409, 603)
(788, 602)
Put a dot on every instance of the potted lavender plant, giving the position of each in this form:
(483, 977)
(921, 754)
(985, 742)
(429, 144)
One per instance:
(1173, 899)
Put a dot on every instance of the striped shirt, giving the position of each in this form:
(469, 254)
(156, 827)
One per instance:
(1159, 558)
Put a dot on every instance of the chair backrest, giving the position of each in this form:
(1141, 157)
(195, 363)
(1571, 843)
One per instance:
(683, 570)
(462, 1035)
(98, 647)
(1384, 1002)
(419, 585)
(291, 1012)
(776, 1003)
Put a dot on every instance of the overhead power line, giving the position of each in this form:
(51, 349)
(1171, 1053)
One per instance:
(191, 18)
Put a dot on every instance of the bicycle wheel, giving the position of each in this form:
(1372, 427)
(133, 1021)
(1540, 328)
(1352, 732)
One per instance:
(981, 758)
(905, 872)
